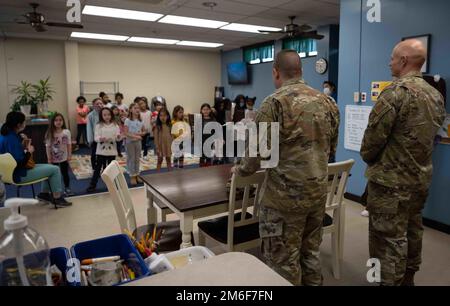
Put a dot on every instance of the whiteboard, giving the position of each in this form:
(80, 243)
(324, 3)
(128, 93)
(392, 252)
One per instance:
(356, 121)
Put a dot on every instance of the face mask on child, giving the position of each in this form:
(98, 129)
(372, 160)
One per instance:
(327, 91)
(242, 105)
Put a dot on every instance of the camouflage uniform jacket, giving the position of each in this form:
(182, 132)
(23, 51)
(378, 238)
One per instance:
(308, 122)
(398, 142)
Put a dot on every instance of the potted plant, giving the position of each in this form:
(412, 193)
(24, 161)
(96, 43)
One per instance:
(25, 99)
(43, 93)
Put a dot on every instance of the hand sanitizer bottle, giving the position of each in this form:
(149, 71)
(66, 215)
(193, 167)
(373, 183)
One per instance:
(24, 254)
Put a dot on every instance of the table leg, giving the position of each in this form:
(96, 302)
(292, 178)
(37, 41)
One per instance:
(151, 210)
(186, 226)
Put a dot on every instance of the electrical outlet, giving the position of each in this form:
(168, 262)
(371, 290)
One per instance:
(364, 97)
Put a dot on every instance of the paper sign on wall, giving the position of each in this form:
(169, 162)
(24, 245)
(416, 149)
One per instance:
(377, 88)
(356, 121)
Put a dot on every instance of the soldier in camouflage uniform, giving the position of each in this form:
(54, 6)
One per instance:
(293, 203)
(397, 147)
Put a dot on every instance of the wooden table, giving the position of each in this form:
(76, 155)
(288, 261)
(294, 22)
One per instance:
(191, 194)
(230, 269)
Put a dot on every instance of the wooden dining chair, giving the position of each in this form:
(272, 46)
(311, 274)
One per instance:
(123, 205)
(237, 231)
(334, 221)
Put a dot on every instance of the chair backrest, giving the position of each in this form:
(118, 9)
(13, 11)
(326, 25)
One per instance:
(120, 196)
(338, 174)
(7, 166)
(256, 180)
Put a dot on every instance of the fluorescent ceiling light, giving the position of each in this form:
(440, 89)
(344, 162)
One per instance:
(199, 44)
(120, 13)
(313, 53)
(194, 22)
(153, 40)
(98, 36)
(247, 28)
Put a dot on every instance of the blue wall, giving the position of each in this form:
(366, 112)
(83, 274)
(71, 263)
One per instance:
(261, 84)
(364, 54)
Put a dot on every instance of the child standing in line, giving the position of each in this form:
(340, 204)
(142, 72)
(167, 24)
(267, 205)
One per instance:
(146, 115)
(116, 114)
(157, 106)
(82, 112)
(107, 133)
(250, 111)
(183, 127)
(134, 130)
(207, 116)
(59, 148)
(119, 102)
(163, 139)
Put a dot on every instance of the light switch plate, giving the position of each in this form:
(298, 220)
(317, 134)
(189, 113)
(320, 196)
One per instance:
(356, 97)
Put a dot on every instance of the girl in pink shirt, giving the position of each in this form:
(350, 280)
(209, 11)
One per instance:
(82, 112)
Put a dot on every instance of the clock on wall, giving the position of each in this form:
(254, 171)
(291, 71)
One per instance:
(321, 66)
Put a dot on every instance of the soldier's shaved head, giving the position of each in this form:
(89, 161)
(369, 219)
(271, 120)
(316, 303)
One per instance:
(408, 56)
(287, 66)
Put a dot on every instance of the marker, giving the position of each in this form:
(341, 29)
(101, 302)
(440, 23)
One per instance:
(100, 259)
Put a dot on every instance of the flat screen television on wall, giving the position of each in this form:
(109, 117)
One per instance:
(238, 73)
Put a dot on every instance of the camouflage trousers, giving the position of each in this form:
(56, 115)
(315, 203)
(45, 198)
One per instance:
(395, 230)
(291, 241)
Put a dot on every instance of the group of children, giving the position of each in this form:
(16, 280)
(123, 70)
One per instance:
(109, 127)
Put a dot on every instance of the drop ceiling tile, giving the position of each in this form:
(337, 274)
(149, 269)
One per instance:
(266, 3)
(228, 6)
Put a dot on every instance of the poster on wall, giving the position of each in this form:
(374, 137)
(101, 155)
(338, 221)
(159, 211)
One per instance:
(356, 121)
(377, 89)
(444, 132)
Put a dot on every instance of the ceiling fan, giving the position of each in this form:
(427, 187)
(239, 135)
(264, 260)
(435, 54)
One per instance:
(37, 21)
(293, 30)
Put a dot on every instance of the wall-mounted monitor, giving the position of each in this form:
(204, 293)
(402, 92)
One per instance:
(237, 73)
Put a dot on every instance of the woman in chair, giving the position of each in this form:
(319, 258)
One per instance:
(16, 144)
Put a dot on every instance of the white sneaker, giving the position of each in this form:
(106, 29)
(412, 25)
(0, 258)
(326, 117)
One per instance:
(365, 213)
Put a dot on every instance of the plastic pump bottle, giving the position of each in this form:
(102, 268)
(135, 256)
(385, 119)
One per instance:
(24, 254)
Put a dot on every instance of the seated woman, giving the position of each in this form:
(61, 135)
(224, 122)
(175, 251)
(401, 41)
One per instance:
(12, 142)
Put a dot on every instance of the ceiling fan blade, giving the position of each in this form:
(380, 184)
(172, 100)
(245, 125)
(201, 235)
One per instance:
(305, 27)
(40, 28)
(64, 25)
(312, 35)
(271, 32)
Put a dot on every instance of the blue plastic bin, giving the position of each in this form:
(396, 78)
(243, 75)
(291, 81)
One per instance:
(119, 245)
(59, 257)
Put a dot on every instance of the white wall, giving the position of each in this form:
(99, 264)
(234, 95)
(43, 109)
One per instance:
(183, 77)
(31, 60)
(4, 100)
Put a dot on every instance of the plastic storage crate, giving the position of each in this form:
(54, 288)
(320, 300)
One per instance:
(119, 245)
